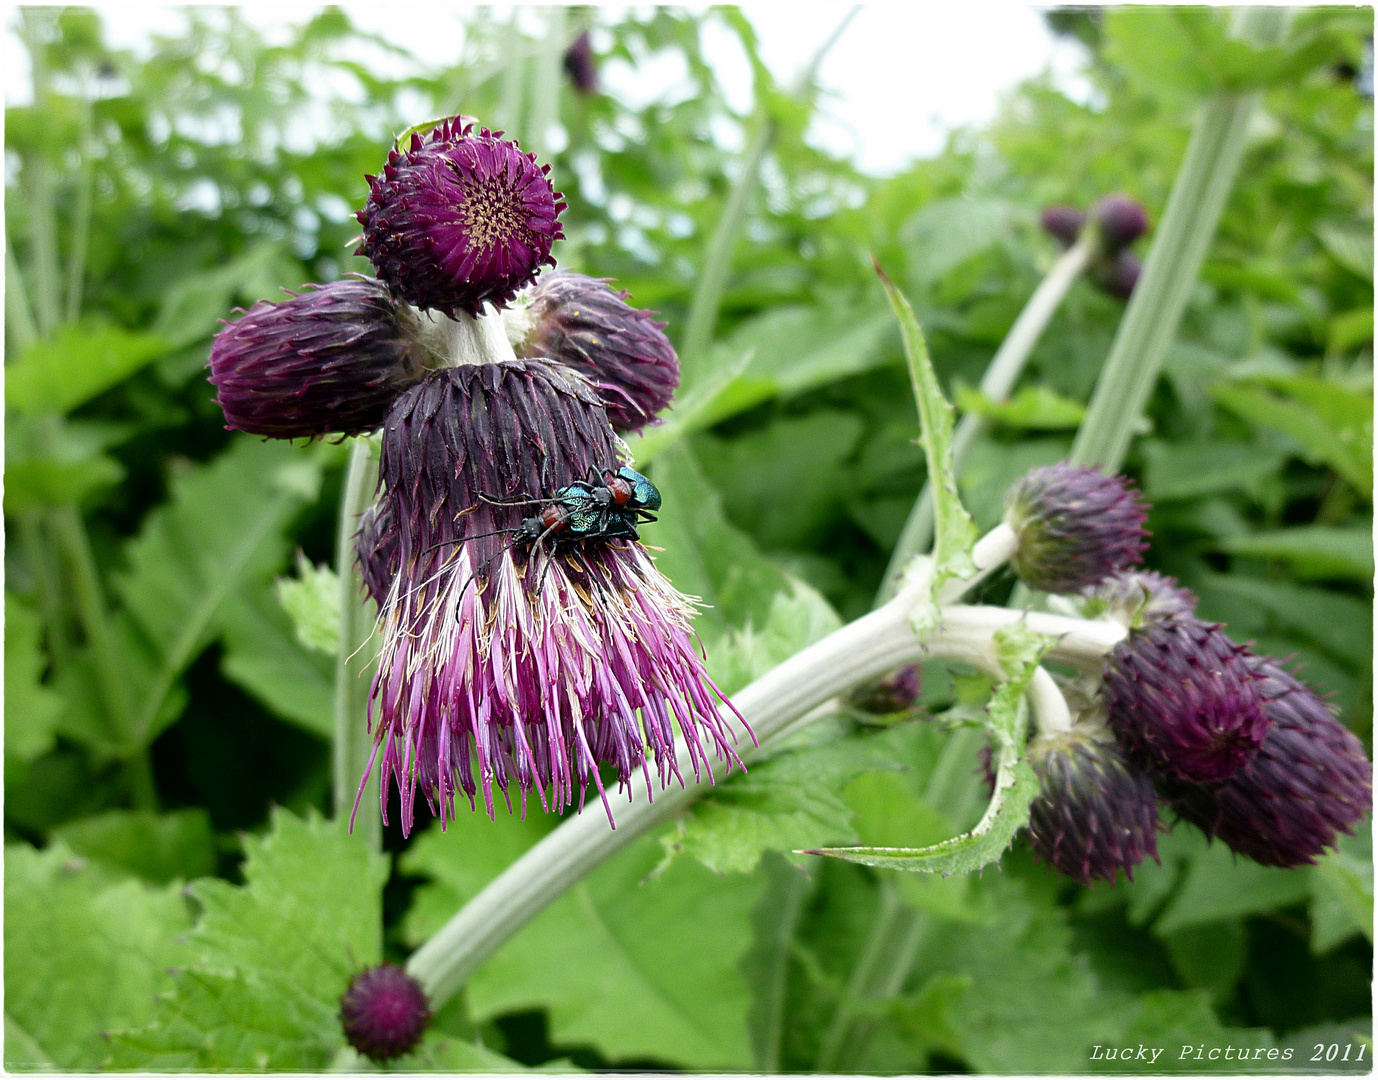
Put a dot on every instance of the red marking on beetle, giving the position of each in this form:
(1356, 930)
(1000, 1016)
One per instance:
(553, 517)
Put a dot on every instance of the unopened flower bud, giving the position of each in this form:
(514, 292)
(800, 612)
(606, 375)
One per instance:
(579, 65)
(329, 360)
(1118, 275)
(1309, 781)
(376, 546)
(895, 693)
(384, 1012)
(460, 219)
(1183, 700)
(1095, 814)
(1137, 597)
(581, 322)
(1121, 219)
(1075, 526)
(1063, 223)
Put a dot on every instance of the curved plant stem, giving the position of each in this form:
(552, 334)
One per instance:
(997, 384)
(1179, 247)
(856, 654)
(353, 744)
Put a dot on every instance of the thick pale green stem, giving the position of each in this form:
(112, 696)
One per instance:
(81, 215)
(997, 384)
(1179, 247)
(19, 320)
(717, 262)
(38, 175)
(545, 94)
(858, 653)
(513, 78)
(352, 743)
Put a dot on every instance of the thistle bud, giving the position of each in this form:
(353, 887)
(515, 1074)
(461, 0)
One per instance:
(376, 546)
(1122, 220)
(579, 65)
(893, 694)
(329, 360)
(1183, 700)
(584, 324)
(1138, 597)
(460, 219)
(1309, 781)
(1062, 223)
(1075, 527)
(1118, 275)
(384, 1012)
(1095, 814)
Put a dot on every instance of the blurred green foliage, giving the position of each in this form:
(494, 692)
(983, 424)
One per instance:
(160, 697)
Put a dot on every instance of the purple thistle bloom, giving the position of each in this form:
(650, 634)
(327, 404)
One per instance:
(331, 359)
(624, 352)
(1183, 700)
(537, 663)
(1076, 527)
(579, 65)
(384, 1012)
(460, 219)
(1063, 223)
(1309, 781)
(1139, 596)
(1095, 814)
(375, 551)
(1122, 220)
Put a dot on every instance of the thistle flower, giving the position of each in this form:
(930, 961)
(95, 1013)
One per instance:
(895, 693)
(581, 322)
(1184, 701)
(1063, 223)
(1309, 781)
(1122, 220)
(1118, 275)
(579, 65)
(375, 551)
(1095, 814)
(1137, 597)
(538, 662)
(330, 359)
(1075, 527)
(460, 219)
(384, 1012)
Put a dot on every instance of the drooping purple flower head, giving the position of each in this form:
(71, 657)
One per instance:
(537, 662)
(1075, 527)
(579, 65)
(1095, 814)
(624, 352)
(375, 551)
(1122, 220)
(329, 360)
(1119, 274)
(1137, 597)
(1184, 701)
(1309, 781)
(893, 694)
(384, 1012)
(1063, 223)
(460, 219)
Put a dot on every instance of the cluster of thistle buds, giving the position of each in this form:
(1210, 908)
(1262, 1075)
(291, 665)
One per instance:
(1118, 221)
(1181, 714)
(527, 637)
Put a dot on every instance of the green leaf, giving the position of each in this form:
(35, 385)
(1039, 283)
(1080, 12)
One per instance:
(221, 528)
(194, 306)
(264, 654)
(691, 410)
(31, 708)
(1188, 470)
(1179, 1023)
(86, 950)
(76, 364)
(1313, 551)
(1034, 408)
(1338, 623)
(1019, 651)
(1331, 424)
(1220, 885)
(775, 922)
(1342, 894)
(798, 616)
(948, 232)
(34, 483)
(270, 958)
(637, 967)
(1351, 248)
(156, 847)
(312, 600)
(954, 534)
